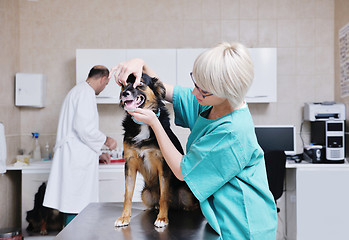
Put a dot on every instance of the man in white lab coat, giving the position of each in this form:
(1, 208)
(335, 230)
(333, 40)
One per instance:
(73, 180)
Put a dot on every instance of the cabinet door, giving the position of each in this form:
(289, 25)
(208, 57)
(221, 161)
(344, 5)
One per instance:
(31, 181)
(264, 60)
(322, 203)
(112, 186)
(87, 58)
(185, 62)
(263, 88)
(162, 61)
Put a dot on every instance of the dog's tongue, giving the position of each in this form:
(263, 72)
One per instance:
(130, 105)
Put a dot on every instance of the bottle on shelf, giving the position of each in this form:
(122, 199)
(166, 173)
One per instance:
(36, 149)
(46, 156)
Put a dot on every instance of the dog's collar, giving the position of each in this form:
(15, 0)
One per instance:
(143, 123)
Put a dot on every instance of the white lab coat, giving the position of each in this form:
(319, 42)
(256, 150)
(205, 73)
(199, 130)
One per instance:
(73, 180)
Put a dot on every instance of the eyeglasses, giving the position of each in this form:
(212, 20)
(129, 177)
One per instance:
(202, 92)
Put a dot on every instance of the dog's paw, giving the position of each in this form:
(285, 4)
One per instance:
(161, 222)
(122, 222)
(43, 232)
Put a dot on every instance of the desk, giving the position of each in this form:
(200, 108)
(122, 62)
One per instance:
(317, 198)
(96, 221)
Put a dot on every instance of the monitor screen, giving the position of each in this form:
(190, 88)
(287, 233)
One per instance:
(277, 137)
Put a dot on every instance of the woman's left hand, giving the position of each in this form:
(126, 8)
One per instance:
(124, 69)
(144, 115)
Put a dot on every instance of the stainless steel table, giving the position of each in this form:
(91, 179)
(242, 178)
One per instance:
(96, 221)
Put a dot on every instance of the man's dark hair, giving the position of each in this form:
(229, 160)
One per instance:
(98, 72)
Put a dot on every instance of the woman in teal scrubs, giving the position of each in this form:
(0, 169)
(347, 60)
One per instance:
(224, 165)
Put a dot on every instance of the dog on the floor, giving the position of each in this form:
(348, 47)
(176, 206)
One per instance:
(43, 219)
(162, 190)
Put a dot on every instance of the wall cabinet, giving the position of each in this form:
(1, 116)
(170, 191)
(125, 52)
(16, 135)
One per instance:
(174, 65)
(161, 61)
(264, 86)
(185, 62)
(87, 58)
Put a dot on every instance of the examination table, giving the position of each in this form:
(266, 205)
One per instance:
(96, 221)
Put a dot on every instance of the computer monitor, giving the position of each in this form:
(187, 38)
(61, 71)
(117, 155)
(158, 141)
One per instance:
(277, 137)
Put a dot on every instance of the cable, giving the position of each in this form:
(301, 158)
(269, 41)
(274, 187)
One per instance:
(300, 133)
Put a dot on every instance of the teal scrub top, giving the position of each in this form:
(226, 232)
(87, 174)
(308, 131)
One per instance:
(224, 168)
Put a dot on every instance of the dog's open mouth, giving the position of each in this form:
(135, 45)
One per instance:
(130, 103)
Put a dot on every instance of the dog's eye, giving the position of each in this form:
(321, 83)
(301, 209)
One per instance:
(141, 84)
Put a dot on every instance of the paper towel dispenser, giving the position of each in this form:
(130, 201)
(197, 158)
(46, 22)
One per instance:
(30, 90)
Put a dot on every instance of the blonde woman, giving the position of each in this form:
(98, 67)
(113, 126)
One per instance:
(224, 165)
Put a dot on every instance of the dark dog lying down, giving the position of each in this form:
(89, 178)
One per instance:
(42, 219)
(142, 154)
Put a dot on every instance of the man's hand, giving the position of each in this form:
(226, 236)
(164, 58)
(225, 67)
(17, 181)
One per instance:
(105, 158)
(110, 143)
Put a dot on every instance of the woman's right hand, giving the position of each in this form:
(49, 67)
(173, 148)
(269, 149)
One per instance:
(124, 69)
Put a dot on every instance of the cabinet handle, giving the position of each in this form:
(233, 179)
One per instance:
(107, 180)
(107, 97)
(262, 96)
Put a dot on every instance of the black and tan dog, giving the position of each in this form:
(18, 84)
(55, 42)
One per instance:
(43, 219)
(162, 189)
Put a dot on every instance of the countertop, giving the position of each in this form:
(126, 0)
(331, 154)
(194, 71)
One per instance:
(46, 165)
(305, 164)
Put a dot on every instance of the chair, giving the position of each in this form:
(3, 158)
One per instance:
(275, 162)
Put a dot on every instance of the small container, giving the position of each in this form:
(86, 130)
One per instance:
(46, 156)
(23, 158)
(10, 234)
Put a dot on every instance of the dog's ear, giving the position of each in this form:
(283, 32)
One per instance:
(159, 88)
(131, 79)
(156, 85)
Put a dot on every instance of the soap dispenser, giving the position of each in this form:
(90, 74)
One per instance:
(46, 155)
(36, 149)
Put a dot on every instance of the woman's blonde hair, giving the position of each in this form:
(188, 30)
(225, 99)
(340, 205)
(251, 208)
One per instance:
(226, 71)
